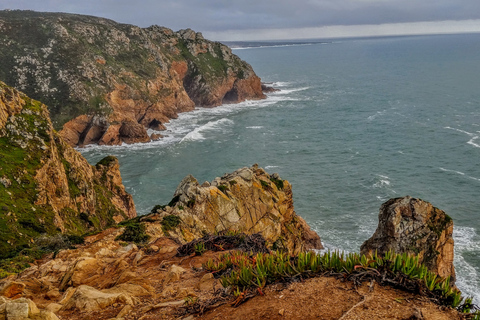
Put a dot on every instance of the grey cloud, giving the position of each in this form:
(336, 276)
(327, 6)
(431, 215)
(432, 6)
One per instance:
(217, 15)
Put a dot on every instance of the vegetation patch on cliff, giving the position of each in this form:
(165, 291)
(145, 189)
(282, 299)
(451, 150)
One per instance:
(243, 271)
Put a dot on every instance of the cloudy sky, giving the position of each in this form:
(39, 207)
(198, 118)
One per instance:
(278, 19)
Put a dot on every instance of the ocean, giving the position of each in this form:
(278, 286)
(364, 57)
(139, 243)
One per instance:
(356, 122)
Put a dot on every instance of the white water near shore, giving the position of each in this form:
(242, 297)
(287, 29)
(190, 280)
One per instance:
(355, 124)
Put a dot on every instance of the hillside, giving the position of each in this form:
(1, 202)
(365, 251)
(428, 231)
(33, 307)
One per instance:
(106, 82)
(47, 187)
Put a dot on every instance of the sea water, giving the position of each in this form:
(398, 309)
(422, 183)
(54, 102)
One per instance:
(355, 122)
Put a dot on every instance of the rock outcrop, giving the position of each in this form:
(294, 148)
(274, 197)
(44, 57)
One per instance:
(248, 200)
(107, 279)
(107, 83)
(415, 226)
(46, 186)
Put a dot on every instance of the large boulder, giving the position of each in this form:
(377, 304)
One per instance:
(86, 299)
(248, 200)
(417, 227)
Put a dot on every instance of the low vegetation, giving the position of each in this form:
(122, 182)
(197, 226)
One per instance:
(243, 271)
(22, 258)
(134, 232)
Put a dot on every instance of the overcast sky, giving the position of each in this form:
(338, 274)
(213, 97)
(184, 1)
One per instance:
(278, 19)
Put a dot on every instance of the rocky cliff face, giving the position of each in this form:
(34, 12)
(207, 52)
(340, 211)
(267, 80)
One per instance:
(248, 200)
(106, 82)
(45, 185)
(416, 227)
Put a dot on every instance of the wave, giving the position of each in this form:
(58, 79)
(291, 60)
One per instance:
(196, 134)
(474, 136)
(288, 91)
(183, 128)
(459, 173)
(254, 127)
(271, 167)
(466, 244)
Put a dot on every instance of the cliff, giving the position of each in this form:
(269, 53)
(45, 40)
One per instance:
(45, 185)
(107, 83)
(248, 200)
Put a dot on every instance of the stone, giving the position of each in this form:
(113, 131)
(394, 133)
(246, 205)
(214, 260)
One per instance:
(125, 311)
(20, 309)
(206, 282)
(12, 289)
(53, 294)
(86, 299)
(417, 227)
(16, 311)
(46, 315)
(53, 307)
(174, 274)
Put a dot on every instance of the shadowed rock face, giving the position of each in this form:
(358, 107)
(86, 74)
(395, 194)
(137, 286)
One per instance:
(97, 75)
(415, 226)
(45, 185)
(248, 200)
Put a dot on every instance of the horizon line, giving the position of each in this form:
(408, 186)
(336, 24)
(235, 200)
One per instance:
(349, 31)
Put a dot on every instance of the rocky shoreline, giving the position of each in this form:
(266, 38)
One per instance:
(108, 83)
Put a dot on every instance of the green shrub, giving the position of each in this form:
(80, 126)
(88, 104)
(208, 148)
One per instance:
(278, 183)
(170, 222)
(174, 201)
(106, 161)
(134, 232)
(222, 188)
(156, 208)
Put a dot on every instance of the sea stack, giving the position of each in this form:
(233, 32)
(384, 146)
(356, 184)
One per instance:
(415, 226)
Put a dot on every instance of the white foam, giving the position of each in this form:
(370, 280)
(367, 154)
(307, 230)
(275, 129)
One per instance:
(466, 242)
(196, 134)
(288, 91)
(254, 127)
(271, 167)
(459, 173)
(379, 113)
(474, 136)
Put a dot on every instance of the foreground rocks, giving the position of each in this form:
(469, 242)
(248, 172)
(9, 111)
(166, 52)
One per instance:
(45, 185)
(107, 83)
(417, 227)
(106, 279)
(248, 200)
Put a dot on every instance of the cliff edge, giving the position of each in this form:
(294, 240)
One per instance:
(107, 82)
(46, 186)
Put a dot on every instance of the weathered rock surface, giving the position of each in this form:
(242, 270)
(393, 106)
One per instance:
(415, 226)
(47, 186)
(140, 282)
(248, 200)
(23, 309)
(107, 82)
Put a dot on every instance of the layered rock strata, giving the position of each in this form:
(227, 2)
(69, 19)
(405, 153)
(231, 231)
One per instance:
(248, 200)
(416, 227)
(107, 83)
(45, 185)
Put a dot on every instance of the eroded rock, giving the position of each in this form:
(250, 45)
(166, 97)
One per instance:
(248, 200)
(417, 227)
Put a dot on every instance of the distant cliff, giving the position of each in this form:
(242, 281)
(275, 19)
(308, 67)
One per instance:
(106, 82)
(45, 185)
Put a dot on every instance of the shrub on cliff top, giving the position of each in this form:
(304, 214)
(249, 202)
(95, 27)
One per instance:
(134, 232)
(170, 222)
(106, 161)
